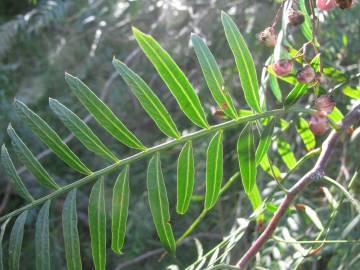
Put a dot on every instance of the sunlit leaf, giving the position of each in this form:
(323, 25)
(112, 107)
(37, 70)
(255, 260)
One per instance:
(256, 201)
(120, 208)
(265, 141)
(213, 77)
(246, 156)
(15, 242)
(270, 169)
(185, 178)
(97, 224)
(42, 242)
(159, 204)
(244, 62)
(336, 115)
(149, 101)
(214, 170)
(286, 153)
(305, 27)
(302, 127)
(70, 232)
(174, 78)
(102, 113)
(275, 88)
(352, 92)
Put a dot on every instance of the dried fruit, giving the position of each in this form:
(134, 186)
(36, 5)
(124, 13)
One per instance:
(306, 74)
(268, 36)
(282, 67)
(325, 4)
(295, 17)
(319, 123)
(324, 104)
(343, 4)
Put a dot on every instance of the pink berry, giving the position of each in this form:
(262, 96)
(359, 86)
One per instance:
(319, 123)
(324, 104)
(268, 36)
(282, 67)
(306, 74)
(325, 4)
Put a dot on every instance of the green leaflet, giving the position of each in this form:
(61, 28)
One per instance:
(286, 153)
(213, 77)
(13, 176)
(246, 156)
(185, 178)
(336, 115)
(313, 216)
(27, 158)
(352, 92)
(159, 204)
(174, 78)
(244, 62)
(120, 207)
(275, 88)
(256, 201)
(214, 170)
(305, 27)
(291, 79)
(265, 141)
(70, 232)
(2, 232)
(149, 101)
(302, 127)
(15, 242)
(102, 113)
(97, 224)
(81, 130)
(48, 136)
(42, 244)
(270, 169)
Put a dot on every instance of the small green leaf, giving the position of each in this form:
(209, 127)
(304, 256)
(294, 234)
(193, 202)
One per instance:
(70, 232)
(97, 224)
(246, 156)
(48, 136)
(149, 101)
(352, 92)
(336, 115)
(244, 62)
(270, 169)
(81, 130)
(306, 27)
(13, 176)
(15, 242)
(214, 170)
(185, 178)
(286, 153)
(120, 208)
(174, 78)
(256, 201)
(28, 159)
(302, 127)
(159, 204)
(275, 88)
(42, 244)
(2, 232)
(265, 141)
(213, 77)
(102, 113)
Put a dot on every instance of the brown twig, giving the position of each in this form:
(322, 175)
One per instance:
(314, 174)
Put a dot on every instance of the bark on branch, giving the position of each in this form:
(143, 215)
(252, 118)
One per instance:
(315, 173)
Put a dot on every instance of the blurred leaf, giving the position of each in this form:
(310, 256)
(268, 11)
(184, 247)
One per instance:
(336, 115)
(265, 141)
(13, 176)
(42, 245)
(352, 92)
(27, 158)
(15, 242)
(213, 77)
(246, 156)
(120, 208)
(2, 232)
(313, 217)
(214, 170)
(81, 130)
(70, 232)
(149, 101)
(185, 178)
(97, 224)
(50, 138)
(102, 113)
(159, 204)
(271, 170)
(256, 201)
(302, 127)
(306, 27)
(286, 153)
(244, 62)
(174, 78)
(275, 88)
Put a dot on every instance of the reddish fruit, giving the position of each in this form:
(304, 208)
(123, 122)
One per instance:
(268, 36)
(295, 17)
(319, 123)
(324, 104)
(306, 74)
(282, 67)
(343, 4)
(325, 4)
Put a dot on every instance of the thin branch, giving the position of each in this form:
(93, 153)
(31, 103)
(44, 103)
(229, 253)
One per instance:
(316, 173)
